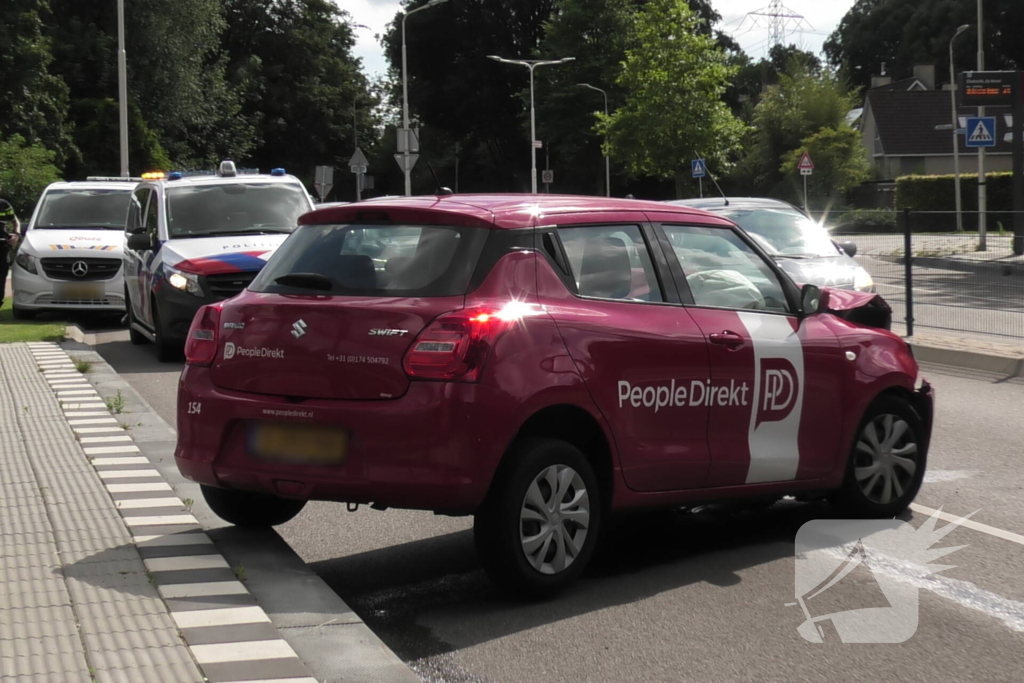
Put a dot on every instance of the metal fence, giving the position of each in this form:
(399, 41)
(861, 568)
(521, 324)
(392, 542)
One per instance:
(949, 283)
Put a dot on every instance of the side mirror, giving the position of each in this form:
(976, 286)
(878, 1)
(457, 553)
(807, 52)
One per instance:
(849, 247)
(810, 299)
(140, 242)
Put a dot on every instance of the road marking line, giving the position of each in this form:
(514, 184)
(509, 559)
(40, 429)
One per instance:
(105, 450)
(92, 421)
(167, 540)
(229, 616)
(105, 439)
(97, 430)
(970, 524)
(282, 680)
(202, 590)
(170, 564)
(138, 488)
(60, 384)
(142, 503)
(76, 392)
(122, 461)
(128, 474)
(83, 406)
(159, 520)
(249, 651)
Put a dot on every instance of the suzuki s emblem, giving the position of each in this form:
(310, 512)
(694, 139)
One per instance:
(385, 332)
(299, 328)
(79, 268)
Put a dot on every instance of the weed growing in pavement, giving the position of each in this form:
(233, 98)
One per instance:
(83, 366)
(152, 579)
(115, 404)
(188, 503)
(240, 572)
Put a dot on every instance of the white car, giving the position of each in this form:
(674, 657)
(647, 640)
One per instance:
(73, 250)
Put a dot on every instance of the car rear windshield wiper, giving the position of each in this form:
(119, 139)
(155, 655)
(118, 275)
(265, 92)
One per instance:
(306, 281)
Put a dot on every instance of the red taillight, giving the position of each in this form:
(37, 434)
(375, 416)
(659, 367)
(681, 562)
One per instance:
(201, 343)
(455, 345)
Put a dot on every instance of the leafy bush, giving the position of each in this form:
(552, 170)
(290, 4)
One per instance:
(25, 170)
(863, 221)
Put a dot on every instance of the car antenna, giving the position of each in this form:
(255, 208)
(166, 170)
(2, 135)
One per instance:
(440, 190)
(708, 171)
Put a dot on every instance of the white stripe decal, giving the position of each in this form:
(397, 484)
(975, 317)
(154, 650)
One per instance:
(220, 617)
(170, 564)
(774, 433)
(138, 488)
(252, 650)
(202, 590)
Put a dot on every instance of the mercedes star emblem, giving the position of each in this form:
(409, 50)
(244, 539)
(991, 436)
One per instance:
(80, 268)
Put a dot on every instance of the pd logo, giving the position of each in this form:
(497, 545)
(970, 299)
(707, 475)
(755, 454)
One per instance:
(229, 351)
(780, 387)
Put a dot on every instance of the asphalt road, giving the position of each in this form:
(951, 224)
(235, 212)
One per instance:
(678, 597)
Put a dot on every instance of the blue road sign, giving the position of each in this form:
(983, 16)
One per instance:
(981, 131)
(697, 168)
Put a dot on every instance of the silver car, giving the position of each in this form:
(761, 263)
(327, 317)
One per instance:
(802, 247)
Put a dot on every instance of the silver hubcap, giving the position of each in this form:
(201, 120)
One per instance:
(554, 519)
(886, 459)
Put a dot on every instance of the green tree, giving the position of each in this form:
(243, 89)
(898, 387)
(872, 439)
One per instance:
(904, 33)
(302, 87)
(457, 94)
(33, 102)
(839, 165)
(25, 170)
(675, 77)
(802, 104)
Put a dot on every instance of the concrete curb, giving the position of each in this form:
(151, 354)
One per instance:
(1011, 366)
(325, 632)
(992, 267)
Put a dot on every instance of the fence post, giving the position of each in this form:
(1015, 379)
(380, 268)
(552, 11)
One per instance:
(908, 267)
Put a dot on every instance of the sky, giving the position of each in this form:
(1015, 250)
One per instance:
(820, 19)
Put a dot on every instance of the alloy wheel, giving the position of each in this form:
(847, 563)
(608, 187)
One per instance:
(886, 459)
(554, 519)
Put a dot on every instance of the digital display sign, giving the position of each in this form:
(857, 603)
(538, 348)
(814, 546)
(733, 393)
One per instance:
(987, 88)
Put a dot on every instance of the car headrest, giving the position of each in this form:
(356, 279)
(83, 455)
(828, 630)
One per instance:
(355, 271)
(606, 271)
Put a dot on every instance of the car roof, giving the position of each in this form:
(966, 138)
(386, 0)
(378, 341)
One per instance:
(717, 204)
(226, 180)
(92, 185)
(499, 210)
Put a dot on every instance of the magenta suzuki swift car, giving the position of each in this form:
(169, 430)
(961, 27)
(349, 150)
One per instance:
(542, 362)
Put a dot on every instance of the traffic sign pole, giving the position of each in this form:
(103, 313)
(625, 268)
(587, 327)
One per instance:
(1018, 165)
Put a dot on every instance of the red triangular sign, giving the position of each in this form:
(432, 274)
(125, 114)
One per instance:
(805, 161)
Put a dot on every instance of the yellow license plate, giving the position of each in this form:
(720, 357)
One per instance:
(79, 291)
(298, 444)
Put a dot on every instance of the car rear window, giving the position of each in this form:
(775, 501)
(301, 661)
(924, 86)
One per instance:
(374, 260)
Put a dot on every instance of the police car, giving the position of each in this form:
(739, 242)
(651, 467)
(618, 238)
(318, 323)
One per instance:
(196, 239)
(71, 256)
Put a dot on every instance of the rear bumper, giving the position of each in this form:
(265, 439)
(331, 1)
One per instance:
(432, 449)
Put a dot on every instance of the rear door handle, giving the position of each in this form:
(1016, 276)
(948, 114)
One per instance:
(729, 340)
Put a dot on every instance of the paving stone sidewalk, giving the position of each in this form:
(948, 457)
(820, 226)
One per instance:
(105, 575)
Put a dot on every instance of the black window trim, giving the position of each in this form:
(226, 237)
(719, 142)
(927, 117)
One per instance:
(789, 288)
(657, 255)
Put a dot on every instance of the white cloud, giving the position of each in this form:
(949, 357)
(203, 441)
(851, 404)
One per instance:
(822, 16)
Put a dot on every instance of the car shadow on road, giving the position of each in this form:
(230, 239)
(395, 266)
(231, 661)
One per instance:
(128, 359)
(400, 590)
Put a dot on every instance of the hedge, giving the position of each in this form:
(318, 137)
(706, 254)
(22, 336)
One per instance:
(938, 193)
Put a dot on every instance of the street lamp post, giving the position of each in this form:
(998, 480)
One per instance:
(607, 160)
(405, 97)
(982, 189)
(956, 129)
(122, 88)
(532, 64)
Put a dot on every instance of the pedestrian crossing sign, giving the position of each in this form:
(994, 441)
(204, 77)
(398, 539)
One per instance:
(981, 131)
(698, 168)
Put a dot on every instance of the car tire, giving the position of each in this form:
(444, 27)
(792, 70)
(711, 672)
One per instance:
(251, 509)
(21, 313)
(887, 462)
(136, 337)
(166, 351)
(534, 539)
